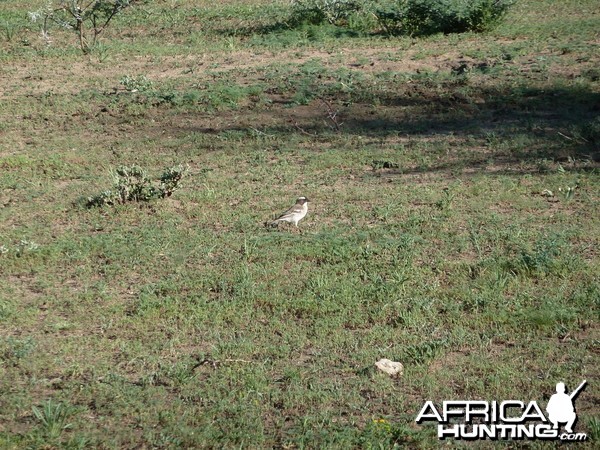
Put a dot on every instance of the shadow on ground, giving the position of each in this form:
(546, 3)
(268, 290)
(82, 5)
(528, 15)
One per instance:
(515, 126)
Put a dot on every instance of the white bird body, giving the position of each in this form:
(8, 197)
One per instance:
(295, 214)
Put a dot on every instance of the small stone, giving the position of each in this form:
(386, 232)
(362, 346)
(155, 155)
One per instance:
(390, 367)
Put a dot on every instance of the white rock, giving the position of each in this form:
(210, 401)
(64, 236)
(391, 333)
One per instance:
(390, 367)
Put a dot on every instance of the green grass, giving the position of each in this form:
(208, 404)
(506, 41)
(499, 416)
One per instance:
(453, 227)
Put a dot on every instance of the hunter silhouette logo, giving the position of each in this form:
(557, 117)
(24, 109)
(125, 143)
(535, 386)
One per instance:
(560, 407)
(510, 419)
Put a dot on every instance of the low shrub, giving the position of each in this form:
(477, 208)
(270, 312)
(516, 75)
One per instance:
(423, 17)
(131, 184)
(138, 83)
(315, 12)
(403, 17)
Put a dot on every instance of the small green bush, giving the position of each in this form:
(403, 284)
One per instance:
(53, 417)
(423, 17)
(138, 83)
(14, 349)
(169, 181)
(131, 184)
(547, 257)
(403, 17)
(316, 12)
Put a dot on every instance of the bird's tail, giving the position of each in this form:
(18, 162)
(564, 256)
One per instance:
(272, 223)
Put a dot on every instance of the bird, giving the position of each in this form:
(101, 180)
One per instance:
(295, 214)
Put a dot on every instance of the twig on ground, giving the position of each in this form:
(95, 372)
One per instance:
(571, 138)
(299, 128)
(216, 362)
(332, 114)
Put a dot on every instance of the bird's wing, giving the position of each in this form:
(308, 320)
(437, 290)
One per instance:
(296, 209)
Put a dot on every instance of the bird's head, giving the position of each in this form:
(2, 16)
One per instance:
(302, 200)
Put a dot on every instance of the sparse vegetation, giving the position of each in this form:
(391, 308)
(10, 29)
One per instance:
(423, 17)
(402, 17)
(453, 226)
(138, 83)
(336, 12)
(53, 418)
(131, 184)
(87, 19)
